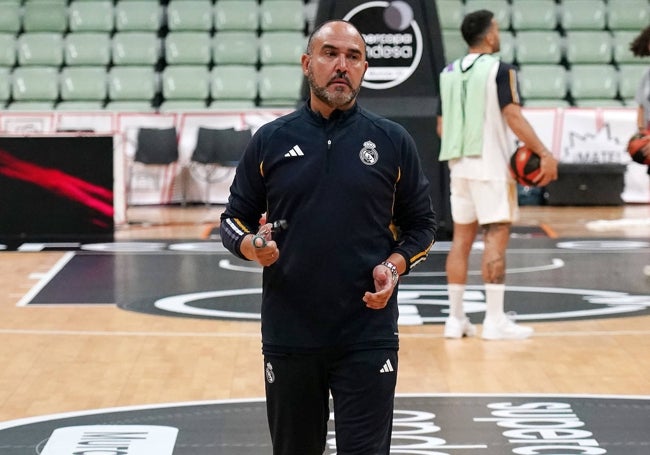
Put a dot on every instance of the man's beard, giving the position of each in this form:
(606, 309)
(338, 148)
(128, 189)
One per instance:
(335, 99)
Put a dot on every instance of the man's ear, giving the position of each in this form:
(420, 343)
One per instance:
(304, 61)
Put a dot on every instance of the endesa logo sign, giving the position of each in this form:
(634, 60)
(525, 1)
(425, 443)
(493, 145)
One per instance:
(112, 440)
(393, 39)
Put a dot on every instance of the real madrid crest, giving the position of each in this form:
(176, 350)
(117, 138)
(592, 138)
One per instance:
(368, 153)
(270, 376)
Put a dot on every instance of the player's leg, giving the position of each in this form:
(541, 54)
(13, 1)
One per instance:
(497, 209)
(297, 403)
(495, 243)
(457, 324)
(363, 390)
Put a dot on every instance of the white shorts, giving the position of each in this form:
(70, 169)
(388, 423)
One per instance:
(485, 201)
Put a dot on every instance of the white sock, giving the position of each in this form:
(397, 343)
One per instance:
(494, 296)
(455, 292)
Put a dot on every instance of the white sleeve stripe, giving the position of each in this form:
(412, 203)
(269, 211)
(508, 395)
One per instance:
(233, 226)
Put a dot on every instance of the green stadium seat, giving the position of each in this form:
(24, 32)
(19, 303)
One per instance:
(583, 14)
(188, 48)
(186, 82)
(30, 106)
(598, 102)
(450, 13)
(87, 48)
(547, 103)
(232, 105)
(79, 106)
(132, 83)
(87, 16)
(281, 47)
(507, 51)
(588, 46)
(135, 48)
(454, 45)
(542, 82)
(236, 15)
(83, 83)
(628, 14)
(233, 83)
(129, 106)
(621, 40)
(182, 105)
(50, 16)
(138, 15)
(7, 49)
(190, 15)
(280, 85)
(282, 15)
(235, 47)
(593, 81)
(35, 83)
(40, 48)
(534, 14)
(5, 85)
(500, 8)
(629, 76)
(10, 17)
(537, 46)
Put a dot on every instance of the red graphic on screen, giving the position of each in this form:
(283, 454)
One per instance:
(65, 185)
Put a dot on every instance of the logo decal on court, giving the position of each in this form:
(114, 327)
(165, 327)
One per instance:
(481, 424)
(559, 281)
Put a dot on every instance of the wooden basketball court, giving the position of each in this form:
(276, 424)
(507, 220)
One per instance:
(76, 357)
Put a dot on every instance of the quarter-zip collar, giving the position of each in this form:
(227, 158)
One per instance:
(337, 116)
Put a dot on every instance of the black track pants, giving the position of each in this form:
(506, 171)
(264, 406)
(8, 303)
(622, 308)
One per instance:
(362, 385)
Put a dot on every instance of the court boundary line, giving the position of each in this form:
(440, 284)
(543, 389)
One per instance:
(45, 279)
(167, 405)
(121, 333)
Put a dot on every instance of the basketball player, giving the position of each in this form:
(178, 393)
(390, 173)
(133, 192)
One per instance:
(343, 179)
(479, 102)
(640, 47)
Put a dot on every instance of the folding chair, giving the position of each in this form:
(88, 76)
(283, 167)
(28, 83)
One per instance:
(217, 151)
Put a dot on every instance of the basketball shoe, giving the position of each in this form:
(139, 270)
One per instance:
(504, 328)
(458, 328)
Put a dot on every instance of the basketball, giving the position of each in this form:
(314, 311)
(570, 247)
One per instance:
(524, 166)
(636, 143)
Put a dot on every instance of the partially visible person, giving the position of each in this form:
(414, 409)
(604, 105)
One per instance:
(479, 102)
(640, 47)
(358, 215)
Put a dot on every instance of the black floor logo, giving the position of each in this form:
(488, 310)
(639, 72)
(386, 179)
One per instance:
(467, 424)
(427, 304)
(546, 280)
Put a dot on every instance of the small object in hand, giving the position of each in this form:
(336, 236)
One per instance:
(259, 240)
(279, 225)
(635, 144)
(525, 166)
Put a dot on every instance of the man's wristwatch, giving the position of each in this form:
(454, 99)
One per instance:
(393, 270)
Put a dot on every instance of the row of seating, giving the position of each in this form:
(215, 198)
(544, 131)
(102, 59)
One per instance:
(148, 15)
(551, 14)
(582, 85)
(234, 86)
(538, 46)
(146, 48)
(142, 88)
